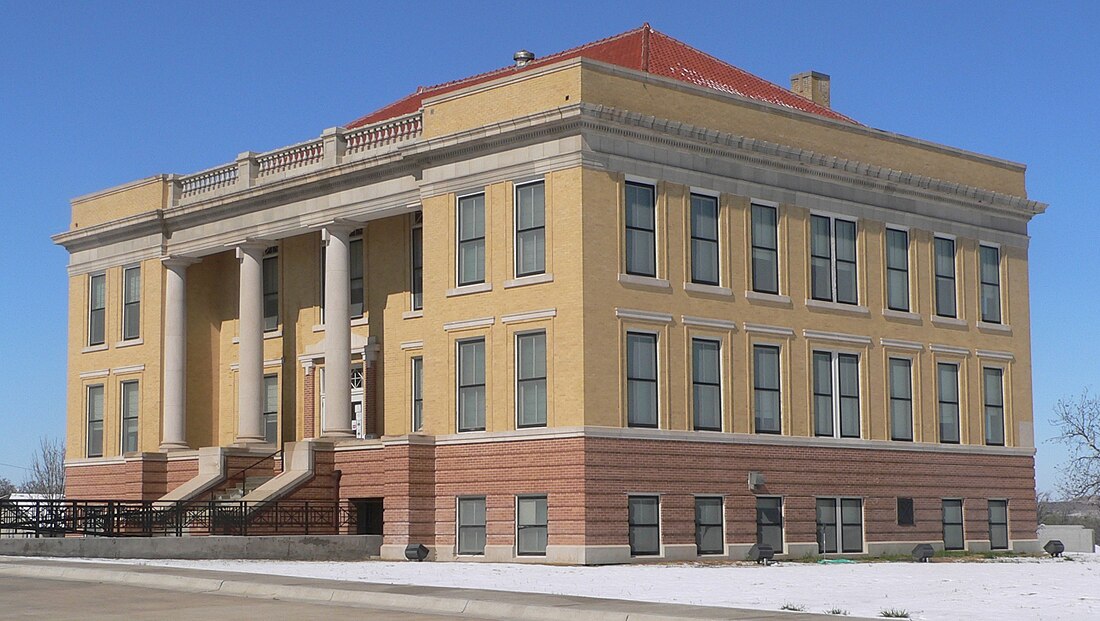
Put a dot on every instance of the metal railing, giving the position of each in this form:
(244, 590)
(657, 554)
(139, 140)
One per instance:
(241, 476)
(153, 518)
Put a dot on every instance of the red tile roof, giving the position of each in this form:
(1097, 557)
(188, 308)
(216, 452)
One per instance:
(641, 49)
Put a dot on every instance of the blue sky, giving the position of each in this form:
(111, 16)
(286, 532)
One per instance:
(97, 94)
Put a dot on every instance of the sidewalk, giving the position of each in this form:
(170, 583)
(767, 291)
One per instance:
(466, 603)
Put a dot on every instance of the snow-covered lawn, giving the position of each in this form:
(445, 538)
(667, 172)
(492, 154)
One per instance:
(1025, 588)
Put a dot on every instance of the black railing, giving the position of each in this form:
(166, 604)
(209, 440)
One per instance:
(241, 476)
(153, 518)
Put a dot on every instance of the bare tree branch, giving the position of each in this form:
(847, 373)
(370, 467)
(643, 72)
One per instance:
(1078, 424)
(47, 474)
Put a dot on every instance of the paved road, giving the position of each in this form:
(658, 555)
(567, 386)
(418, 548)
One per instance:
(35, 598)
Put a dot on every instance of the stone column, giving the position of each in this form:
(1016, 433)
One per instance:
(337, 418)
(174, 425)
(250, 331)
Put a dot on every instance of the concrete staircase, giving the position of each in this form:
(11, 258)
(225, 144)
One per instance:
(240, 490)
(298, 468)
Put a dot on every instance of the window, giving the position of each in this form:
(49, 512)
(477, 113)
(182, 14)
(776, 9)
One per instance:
(906, 516)
(901, 399)
(531, 526)
(471, 525)
(897, 270)
(471, 239)
(839, 525)
(95, 421)
(355, 276)
(948, 385)
(531, 379)
(471, 385)
(417, 393)
(130, 402)
(97, 309)
(417, 261)
(641, 379)
(990, 273)
(998, 524)
(945, 276)
(833, 260)
(709, 538)
(765, 380)
(271, 409)
(131, 303)
(953, 536)
(765, 249)
(769, 522)
(641, 229)
(644, 519)
(530, 229)
(271, 289)
(704, 240)
(706, 384)
(994, 406)
(836, 394)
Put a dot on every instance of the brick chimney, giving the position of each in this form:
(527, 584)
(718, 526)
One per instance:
(813, 86)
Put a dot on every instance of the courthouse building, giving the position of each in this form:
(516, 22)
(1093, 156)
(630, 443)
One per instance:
(625, 301)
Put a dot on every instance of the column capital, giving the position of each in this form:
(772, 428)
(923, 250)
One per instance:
(176, 261)
(338, 225)
(249, 246)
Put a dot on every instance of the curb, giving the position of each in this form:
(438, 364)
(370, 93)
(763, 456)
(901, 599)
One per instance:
(602, 610)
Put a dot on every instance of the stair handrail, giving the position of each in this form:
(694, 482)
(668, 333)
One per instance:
(229, 478)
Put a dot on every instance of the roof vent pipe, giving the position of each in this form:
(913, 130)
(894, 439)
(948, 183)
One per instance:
(523, 57)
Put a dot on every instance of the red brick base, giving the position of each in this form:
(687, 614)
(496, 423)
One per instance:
(587, 481)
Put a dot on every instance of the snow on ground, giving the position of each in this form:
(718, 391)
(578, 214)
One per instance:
(1016, 588)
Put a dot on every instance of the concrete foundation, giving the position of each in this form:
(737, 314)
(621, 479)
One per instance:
(280, 548)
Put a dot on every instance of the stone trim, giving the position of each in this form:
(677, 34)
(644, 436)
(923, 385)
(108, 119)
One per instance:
(405, 345)
(837, 337)
(694, 287)
(134, 368)
(529, 316)
(836, 306)
(534, 279)
(995, 355)
(95, 374)
(641, 315)
(704, 322)
(948, 349)
(900, 344)
(469, 324)
(768, 298)
(644, 281)
(755, 328)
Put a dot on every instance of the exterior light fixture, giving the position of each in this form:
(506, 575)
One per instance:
(416, 552)
(1055, 547)
(762, 553)
(922, 552)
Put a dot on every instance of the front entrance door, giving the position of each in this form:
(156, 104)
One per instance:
(368, 514)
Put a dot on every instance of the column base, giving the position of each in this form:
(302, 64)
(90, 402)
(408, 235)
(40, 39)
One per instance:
(168, 447)
(249, 440)
(337, 434)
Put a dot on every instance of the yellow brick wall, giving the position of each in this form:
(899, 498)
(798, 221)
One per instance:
(604, 344)
(127, 200)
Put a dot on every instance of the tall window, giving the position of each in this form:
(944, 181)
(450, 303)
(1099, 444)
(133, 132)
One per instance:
(945, 276)
(769, 522)
(709, 538)
(417, 393)
(97, 309)
(271, 409)
(131, 303)
(471, 525)
(706, 384)
(531, 521)
(357, 296)
(641, 379)
(471, 239)
(906, 515)
(704, 240)
(836, 394)
(765, 249)
(130, 403)
(953, 534)
(839, 525)
(530, 229)
(897, 270)
(531, 379)
(95, 421)
(644, 523)
(765, 390)
(641, 229)
(990, 269)
(271, 289)
(994, 406)
(471, 385)
(417, 264)
(833, 260)
(998, 524)
(901, 399)
(948, 385)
